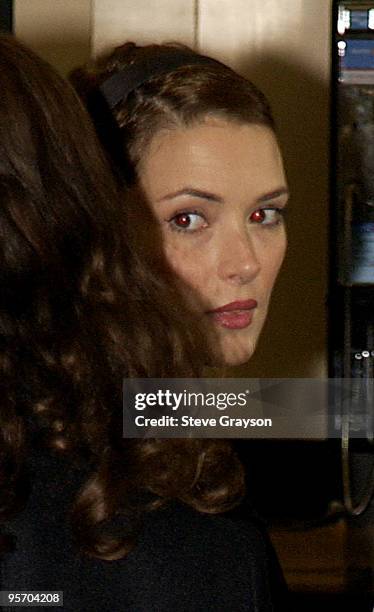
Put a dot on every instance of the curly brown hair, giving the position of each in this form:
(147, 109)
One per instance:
(86, 300)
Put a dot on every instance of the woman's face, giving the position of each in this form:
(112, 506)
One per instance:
(218, 189)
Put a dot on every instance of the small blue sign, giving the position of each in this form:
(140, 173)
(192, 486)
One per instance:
(359, 55)
(362, 271)
(359, 20)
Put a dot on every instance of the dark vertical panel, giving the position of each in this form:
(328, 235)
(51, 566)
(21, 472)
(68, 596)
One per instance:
(6, 15)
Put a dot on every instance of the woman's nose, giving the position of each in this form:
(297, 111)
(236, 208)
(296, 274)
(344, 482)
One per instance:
(238, 262)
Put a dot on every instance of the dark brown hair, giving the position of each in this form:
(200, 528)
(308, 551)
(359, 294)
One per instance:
(177, 97)
(82, 305)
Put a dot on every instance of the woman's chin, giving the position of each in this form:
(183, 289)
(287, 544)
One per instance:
(238, 359)
(231, 354)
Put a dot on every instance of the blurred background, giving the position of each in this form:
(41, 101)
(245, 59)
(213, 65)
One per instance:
(285, 47)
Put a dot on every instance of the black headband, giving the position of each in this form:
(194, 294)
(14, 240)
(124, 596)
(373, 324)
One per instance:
(118, 86)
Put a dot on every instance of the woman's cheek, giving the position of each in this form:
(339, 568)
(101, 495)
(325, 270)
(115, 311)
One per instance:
(190, 266)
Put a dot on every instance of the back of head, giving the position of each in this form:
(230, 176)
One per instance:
(51, 172)
(82, 305)
(68, 245)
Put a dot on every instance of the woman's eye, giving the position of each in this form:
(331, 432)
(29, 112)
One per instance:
(267, 216)
(188, 222)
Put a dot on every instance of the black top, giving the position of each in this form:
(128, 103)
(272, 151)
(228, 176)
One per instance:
(184, 561)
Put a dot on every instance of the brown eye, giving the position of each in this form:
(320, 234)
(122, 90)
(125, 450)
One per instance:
(182, 220)
(258, 216)
(188, 222)
(267, 216)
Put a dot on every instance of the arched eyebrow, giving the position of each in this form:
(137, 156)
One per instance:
(273, 195)
(213, 197)
(194, 193)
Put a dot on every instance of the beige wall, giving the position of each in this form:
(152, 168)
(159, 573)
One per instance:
(145, 21)
(283, 45)
(59, 30)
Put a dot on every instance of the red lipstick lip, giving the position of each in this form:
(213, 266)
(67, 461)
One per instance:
(238, 305)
